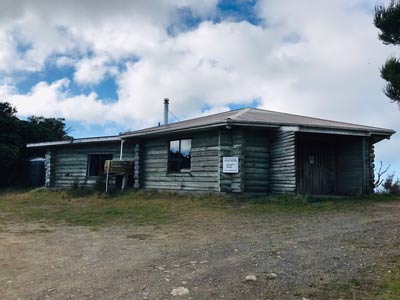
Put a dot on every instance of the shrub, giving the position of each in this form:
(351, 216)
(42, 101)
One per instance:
(391, 185)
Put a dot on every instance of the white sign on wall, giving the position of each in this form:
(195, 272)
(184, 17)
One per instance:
(230, 165)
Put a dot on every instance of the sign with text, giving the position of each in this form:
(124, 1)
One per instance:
(230, 165)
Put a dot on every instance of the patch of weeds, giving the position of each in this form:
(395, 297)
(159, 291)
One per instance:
(390, 286)
(381, 282)
(80, 192)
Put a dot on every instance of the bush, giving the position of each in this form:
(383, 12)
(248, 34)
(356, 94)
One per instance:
(391, 185)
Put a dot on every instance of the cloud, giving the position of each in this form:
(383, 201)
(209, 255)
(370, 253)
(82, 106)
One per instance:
(318, 58)
(54, 99)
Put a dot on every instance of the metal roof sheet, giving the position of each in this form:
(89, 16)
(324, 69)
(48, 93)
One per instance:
(257, 117)
(243, 117)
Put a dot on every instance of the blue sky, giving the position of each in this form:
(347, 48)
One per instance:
(106, 67)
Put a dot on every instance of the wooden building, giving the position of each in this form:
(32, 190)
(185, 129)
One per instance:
(246, 150)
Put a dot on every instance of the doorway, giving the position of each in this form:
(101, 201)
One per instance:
(315, 165)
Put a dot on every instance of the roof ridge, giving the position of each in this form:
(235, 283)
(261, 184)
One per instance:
(239, 113)
(183, 121)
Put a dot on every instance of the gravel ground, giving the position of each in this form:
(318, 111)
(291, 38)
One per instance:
(204, 256)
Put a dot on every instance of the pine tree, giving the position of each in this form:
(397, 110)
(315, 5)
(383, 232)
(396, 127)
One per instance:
(387, 20)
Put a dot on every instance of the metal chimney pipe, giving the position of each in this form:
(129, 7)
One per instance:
(166, 104)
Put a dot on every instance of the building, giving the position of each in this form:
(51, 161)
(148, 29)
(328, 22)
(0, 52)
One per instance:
(245, 150)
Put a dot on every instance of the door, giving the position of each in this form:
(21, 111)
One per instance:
(315, 167)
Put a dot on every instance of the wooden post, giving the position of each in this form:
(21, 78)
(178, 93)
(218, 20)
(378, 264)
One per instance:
(121, 150)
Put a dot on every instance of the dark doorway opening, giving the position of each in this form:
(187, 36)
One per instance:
(316, 174)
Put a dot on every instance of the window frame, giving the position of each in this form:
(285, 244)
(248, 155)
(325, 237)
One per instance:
(179, 160)
(88, 163)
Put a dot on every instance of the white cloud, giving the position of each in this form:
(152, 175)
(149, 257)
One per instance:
(54, 99)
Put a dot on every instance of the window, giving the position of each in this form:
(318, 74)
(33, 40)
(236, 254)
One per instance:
(96, 163)
(179, 155)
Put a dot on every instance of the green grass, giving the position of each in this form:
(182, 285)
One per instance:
(91, 210)
(287, 203)
(88, 208)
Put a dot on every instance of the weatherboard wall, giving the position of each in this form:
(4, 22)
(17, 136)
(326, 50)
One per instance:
(203, 175)
(267, 162)
(257, 161)
(353, 163)
(206, 173)
(282, 169)
(66, 166)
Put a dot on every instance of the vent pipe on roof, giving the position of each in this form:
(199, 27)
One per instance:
(166, 104)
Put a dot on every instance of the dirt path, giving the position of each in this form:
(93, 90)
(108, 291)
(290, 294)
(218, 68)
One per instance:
(313, 255)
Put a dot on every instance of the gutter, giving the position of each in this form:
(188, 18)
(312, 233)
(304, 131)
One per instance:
(75, 141)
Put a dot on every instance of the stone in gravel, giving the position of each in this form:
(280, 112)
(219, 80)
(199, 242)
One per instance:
(271, 276)
(180, 291)
(250, 278)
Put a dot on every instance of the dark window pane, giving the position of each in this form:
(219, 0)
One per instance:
(185, 163)
(96, 163)
(174, 166)
(179, 155)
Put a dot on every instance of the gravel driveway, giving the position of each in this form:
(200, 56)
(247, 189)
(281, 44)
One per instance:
(292, 256)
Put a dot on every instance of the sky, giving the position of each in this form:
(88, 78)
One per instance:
(106, 66)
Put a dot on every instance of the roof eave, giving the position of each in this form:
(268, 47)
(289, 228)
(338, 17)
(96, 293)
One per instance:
(342, 131)
(74, 141)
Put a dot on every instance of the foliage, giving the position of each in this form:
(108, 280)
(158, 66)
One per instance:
(44, 129)
(387, 20)
(16, 133)
(391, 185)
(390, 71)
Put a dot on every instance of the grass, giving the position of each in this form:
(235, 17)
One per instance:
(88, 208)
(91, 210)
(378, 282)
(287, 203)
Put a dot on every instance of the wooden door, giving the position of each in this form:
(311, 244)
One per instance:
(314, 163)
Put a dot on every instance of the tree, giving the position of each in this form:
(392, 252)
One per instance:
(387, 20)
(16, 133)
(40, 129)
(10, 142)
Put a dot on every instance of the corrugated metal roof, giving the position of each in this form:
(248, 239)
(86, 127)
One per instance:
(256, 117)
(241, 117)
